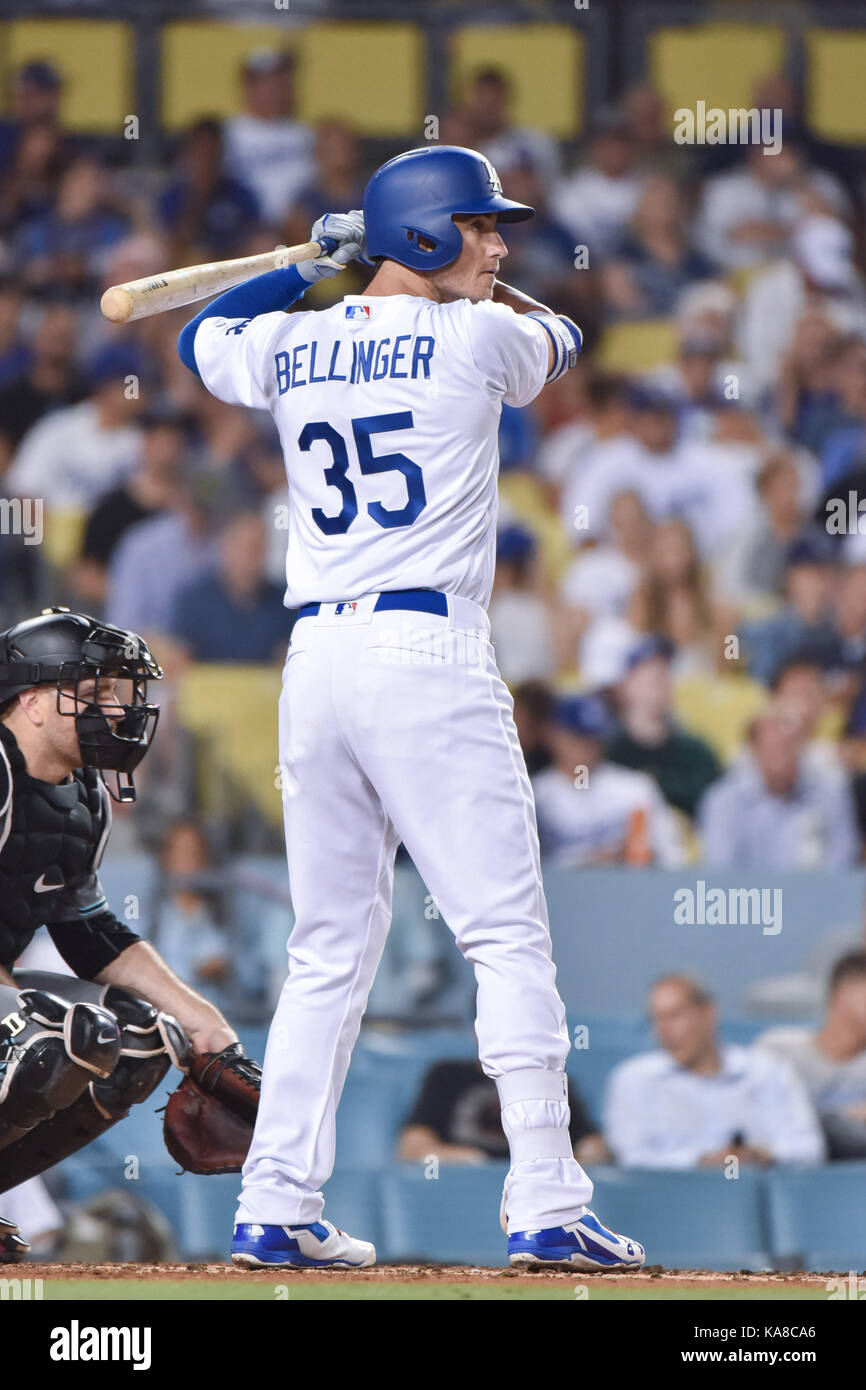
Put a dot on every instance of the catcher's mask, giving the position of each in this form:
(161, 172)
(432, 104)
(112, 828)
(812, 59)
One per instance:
(64, 649)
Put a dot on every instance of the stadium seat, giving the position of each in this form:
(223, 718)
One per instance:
(86, 1176)
(367, 73)
(77, 49)
(63, 535)
(687, 1220)
(742, 1031)
(589, 1069)
(372, 1109)
(544, 62)
(527, 498)
(720, 64)
(719, 709)
(140, 1134)
(208, 700)
(130, 883)
(418, 1046)
(383, 1084)
(451, 1219)
(835, 93)
(209, 1204)
(817, 1216)
(637, 347)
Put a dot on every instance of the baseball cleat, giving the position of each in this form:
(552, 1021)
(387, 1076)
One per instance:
(317, 1246)
(13, 1246)
(583, 1244)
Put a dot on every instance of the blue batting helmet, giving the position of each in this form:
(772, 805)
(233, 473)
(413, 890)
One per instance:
(416, 195)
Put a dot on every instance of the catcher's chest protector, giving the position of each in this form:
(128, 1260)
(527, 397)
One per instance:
(51, 834)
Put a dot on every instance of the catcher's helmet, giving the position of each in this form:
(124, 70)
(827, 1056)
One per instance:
(62, 649)
(417, 194)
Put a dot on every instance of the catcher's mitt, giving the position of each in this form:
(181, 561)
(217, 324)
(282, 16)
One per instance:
(209, 1119)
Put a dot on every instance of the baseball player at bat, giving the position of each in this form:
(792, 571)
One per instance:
(394, 721)
(77, 1050)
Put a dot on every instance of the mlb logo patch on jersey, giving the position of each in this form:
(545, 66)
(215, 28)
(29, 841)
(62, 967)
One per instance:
(357, 311)
(345, 608)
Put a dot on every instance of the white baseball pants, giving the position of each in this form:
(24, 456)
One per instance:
(397, 726)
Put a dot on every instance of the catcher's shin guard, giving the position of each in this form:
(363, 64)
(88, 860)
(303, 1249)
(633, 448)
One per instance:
(149, 1042)
(50, 1051)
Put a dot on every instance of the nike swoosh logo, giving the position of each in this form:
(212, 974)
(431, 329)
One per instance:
(40, 886)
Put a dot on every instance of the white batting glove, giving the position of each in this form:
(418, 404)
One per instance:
(348, 229)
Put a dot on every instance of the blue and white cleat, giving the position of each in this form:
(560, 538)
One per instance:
(583, 1244)
(318, 1246)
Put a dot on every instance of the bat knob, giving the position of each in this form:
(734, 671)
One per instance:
(116, 304)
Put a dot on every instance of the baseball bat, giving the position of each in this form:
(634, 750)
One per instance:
(171, 289)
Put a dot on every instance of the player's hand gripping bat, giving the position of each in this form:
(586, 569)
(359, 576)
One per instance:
(153, 294)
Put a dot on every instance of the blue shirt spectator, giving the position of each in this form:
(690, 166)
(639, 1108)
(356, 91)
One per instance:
(805, 622)
(231, 613)
(63, 249)
(154, 560)
(204, 206)
(694, 1103)
(778, 809)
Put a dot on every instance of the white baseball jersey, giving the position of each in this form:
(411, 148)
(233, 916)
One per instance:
(388, 410)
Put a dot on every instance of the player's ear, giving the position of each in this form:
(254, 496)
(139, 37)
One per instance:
(31, 702)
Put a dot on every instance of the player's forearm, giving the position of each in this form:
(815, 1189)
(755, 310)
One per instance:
(142, 970)
(264, 294)
(518, 301)
(565, 338)
(5, 977)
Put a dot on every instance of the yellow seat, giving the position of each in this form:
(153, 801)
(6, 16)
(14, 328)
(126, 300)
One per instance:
(233, 711)
(835, 90)
(831, 725)
(718, 709)
(93, 58)
(526, 495)
(370, 74)
(637, 347)
(543, 62)
(62, 535)
(720, 64)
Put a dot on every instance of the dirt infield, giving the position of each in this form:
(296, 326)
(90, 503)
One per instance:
(654, 1276)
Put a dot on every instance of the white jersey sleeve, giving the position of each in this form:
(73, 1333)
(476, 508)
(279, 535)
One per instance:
(235, 358)
(510, 351)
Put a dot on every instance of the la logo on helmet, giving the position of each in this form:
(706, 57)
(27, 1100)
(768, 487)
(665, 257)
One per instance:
(495, 182)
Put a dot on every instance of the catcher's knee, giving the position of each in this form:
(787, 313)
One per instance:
(150, 1042)
(50, 1051)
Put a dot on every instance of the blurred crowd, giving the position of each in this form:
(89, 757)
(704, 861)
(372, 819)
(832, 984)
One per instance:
(794, 1095)
(680, 600)
(680, 597)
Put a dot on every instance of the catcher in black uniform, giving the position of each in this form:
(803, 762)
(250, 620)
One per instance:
(77, 1050)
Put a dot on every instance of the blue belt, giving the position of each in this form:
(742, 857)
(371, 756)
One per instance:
(416, 600)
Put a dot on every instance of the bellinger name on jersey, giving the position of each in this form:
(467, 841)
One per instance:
(370, 359)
